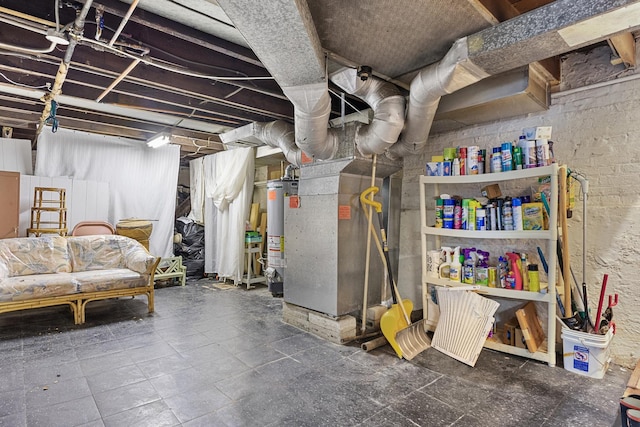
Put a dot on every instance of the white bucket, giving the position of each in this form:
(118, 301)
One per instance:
(586, 354)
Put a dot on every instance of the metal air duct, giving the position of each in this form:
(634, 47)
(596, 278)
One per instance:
(387, 104)
(276, 134)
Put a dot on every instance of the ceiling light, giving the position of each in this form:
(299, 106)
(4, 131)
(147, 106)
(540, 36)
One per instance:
(57, 37)
(159, 140)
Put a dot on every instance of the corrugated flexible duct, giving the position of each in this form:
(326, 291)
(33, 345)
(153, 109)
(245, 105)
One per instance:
(279, 134)
(452, 73)
(312, 107)
(387, 104)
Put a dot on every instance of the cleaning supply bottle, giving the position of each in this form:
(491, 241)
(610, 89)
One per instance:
(523, 271)
(534, 279)
(469, 267)
(515, 270)
(455, 270)
(443, 270)
(516, 209)
(503, 271)
(482, 269)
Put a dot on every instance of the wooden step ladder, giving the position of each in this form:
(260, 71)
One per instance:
(49, 212)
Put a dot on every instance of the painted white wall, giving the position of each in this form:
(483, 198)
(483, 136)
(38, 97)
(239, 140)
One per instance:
(15, 156)
(596, 131)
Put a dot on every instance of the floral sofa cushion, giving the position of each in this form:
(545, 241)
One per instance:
(36, 286)
(25, 256)
(106, 252)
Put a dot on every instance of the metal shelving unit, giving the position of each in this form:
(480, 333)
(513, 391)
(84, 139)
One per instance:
(550, 235)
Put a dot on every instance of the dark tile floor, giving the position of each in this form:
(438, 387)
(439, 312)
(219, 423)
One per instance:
(211, 357)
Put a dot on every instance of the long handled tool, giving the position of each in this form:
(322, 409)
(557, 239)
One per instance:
(408, 340)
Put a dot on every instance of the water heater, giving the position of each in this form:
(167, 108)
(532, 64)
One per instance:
(277, 190)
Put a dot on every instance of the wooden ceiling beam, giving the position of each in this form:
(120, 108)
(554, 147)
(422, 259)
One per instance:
(625, 46)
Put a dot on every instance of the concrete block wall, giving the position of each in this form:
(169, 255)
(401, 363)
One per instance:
(596, 131)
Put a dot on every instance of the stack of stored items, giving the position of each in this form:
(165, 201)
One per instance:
(473, 267)
(493, 212)
(533, 149)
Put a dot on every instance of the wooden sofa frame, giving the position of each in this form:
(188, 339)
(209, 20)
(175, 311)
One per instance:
(78, 302)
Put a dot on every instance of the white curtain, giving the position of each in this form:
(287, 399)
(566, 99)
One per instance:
(228, 187)
(196, 189)
(142, 180)
(15, 155)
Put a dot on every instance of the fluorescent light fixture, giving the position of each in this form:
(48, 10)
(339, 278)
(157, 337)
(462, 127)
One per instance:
(57, 37)
(159, 140)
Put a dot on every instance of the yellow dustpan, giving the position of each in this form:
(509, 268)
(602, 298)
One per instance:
(407, 340)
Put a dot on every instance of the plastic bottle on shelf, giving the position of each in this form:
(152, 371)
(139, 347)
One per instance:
(515, 270)
(517, 214)
(469, 267)
(534, 279)
(481, 219)
(455, 169)
(444, 269)
(455, 270)
(507, 215)
(457, 216)
(482, 269)
(524, 263)
(503, 271)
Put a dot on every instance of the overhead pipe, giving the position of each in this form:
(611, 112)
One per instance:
(124, 21)
(75, 34)
(388, 106)
(455, 71)
(279, 134)
(312, 107)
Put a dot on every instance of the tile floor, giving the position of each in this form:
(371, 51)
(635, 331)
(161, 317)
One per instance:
(211, 357)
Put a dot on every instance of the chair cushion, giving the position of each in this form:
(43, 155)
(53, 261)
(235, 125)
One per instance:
(25, 256)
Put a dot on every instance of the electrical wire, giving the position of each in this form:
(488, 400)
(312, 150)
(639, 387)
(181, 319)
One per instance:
(174, 68)
(45, 86)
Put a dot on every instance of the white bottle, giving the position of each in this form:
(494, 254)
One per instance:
(455, 270)
(456, 167)
(444, 269)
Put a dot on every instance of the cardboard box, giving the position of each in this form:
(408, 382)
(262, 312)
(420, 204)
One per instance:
(533, 216)
(540, 132)
(491, 191)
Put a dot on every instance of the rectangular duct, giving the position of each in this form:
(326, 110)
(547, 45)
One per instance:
(514, 93)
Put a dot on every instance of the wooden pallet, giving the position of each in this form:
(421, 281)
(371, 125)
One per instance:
(339, 330)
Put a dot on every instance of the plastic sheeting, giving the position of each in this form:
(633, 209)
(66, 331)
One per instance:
(142, 180)
(227, 179)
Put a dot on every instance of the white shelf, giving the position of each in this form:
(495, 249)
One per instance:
(499, 234)
(491, 177)
(541, 355)
(433, 234)
(495, 292)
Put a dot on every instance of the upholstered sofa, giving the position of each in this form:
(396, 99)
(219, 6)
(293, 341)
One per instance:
(55, 270)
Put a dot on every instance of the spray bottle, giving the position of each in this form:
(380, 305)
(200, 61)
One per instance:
(455, 270)
(515, 270)
(482, 269)
(469, 268)
(443, 270)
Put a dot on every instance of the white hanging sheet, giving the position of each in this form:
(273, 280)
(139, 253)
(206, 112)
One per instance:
(196, 189)
(142, 180)
(228, 183)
